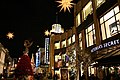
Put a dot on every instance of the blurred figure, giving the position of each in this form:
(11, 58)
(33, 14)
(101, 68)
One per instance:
(92, 77)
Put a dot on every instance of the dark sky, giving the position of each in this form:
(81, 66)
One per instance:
(28, 19)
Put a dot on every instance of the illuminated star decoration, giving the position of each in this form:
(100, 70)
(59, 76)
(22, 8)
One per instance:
(47, 33)
(65, 4)
(10, 35)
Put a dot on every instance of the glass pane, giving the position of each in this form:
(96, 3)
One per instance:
(94, 36)
(57, 45)
(73, 38)
(116, 9)
(64, 43)
(108, 15)
(89, 28)
(103, 32)
(80, 40)
(78, 20)
(90, 38)
(118, 17)
(80, 44)
(112, 20)
(101, 20)
(87, 9)
(107, 29)
(118, 26)
(87, 39)
(100, 2)
(111, 25)
(69, 41)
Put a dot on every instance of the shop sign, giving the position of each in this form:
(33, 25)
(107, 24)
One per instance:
(105, 45)
(46, 59)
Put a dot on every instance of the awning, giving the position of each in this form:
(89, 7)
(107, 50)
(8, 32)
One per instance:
(109, 59)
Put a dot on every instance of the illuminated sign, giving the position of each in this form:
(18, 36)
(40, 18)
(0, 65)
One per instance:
(46, 59)
(38, 54)
(105, 45)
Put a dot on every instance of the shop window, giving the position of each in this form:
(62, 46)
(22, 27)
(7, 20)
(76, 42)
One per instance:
(58, 61)
(87, 10)
(63, 43)
(57, 45)
(69, 41)
(73, 38)
(90, 35)
(80, 41)
(110, 23)
(99, 2)
(78, 20)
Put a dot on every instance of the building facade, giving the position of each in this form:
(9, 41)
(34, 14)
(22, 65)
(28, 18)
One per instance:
(92, 46)
(63, 54)
(5, 61)
(97, 25)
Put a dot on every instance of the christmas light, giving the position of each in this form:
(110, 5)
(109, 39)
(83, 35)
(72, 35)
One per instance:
(10, 35)
(65, 4)
(47, 33)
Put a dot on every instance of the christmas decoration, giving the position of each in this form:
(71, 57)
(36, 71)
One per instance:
(24, 66)
(65, 4)
(10, 35)
(24, 69)
(47, 33)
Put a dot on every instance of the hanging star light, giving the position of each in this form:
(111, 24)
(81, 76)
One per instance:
(65, 4)
(10, 35)
(47, 33)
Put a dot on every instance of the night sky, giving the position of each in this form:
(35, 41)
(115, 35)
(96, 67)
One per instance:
(28, 19)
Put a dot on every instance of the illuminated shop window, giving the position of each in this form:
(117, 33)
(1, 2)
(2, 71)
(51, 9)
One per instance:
(99, 2)
(80, 41)
(87, 10)
(73, 38)
(63, 43)
(57, 45)
(90, 35)
(78, 20)
(69, 41)
(57, 58)
(110, 23)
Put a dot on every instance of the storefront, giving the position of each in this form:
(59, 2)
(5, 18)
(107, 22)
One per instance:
(108, 58)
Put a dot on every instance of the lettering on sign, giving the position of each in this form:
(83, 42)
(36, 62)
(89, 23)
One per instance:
(105, 45)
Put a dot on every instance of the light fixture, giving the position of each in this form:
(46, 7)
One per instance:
(10, 35)
(65, 4)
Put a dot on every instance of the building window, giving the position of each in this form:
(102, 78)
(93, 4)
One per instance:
(80, 41)
(73, 38)
(99, 2)
(78, 20)
(57, 45)
(87, 10)
(110, 23)
(90, 35)
(63, 43)
(69, 41)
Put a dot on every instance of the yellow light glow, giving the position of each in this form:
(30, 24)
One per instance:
(47, 33)
(65, 4)
(10, 35)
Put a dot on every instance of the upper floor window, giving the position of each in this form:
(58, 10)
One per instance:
(73, 38)
(90, 35)
(69, 41)
(63, 43)
(78, 20)
(80, 41)
(99, 2)
(57, 45)
(87, 10)
(110, 23)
